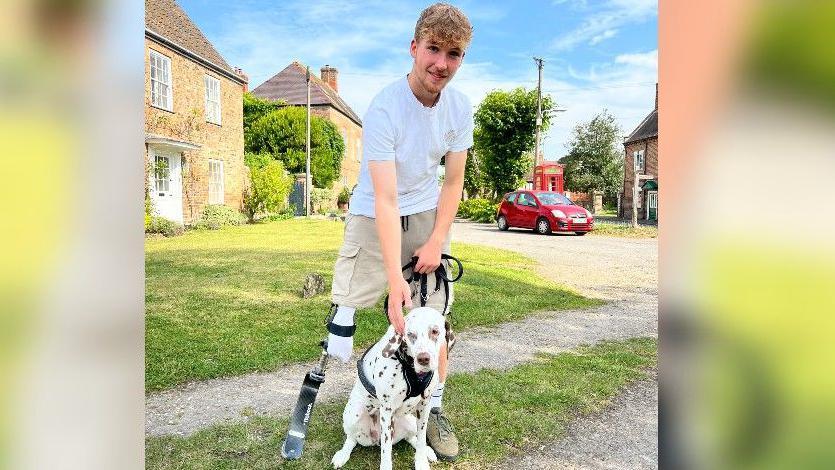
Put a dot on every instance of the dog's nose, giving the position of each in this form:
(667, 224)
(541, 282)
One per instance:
(423, 359)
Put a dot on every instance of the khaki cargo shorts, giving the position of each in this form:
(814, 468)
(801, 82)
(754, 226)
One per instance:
(359, 279)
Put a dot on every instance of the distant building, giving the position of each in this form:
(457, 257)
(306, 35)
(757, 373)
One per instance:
(290, 85)
(194, 141)
(641, 148)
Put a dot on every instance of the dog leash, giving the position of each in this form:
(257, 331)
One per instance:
(441, 277)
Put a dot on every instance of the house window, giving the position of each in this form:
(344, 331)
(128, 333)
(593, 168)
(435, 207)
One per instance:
(212, 99)
(161, 173)
(639, 160)
(161, 81)
(358, 145)
(215, 182)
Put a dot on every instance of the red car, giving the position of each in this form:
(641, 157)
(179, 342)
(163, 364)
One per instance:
(543, 211)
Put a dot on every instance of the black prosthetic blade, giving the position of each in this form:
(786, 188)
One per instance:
(293, 445)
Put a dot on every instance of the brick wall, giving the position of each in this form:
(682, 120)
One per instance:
(187, 122)
(650, 148)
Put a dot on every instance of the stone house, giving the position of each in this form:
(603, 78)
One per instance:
(290, 85)
(194, 141)
(641, 157)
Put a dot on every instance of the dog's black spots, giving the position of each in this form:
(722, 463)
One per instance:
(381, 373)
(388, 408)
(392, 385)
(384, 367)
(392, 340)
(385, 396)
(417, 414)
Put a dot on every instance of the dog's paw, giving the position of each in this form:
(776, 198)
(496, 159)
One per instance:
(340, 458)
(423, 457)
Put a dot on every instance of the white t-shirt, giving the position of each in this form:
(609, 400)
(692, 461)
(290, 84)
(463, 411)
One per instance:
(397, 127)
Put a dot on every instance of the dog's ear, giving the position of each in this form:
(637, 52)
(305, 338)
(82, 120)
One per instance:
(393, 341)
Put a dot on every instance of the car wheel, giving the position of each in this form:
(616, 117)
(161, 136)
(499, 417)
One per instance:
(501, 222)
(580, 234)
(543, 226)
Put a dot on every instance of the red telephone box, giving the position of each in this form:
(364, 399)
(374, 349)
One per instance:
(548, 177)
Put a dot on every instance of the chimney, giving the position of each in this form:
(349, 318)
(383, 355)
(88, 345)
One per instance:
(239, 72)
(656, 95)
(329, 76)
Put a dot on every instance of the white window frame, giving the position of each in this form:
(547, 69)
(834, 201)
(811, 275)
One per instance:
(216, 182)
(212, 86)
(358, 145)
(161, 75)
(640, 163)
(162, 174)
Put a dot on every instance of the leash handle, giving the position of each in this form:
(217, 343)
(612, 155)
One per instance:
(413, 276)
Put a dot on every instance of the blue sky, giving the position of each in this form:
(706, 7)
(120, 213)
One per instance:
(598, 54)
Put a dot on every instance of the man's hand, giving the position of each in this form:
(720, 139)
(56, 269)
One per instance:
(399, 294)
(429, 257)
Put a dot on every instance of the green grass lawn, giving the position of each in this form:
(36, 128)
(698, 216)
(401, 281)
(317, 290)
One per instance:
(625, 231)
(226, 302)
(496, 414)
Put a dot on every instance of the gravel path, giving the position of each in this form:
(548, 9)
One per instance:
(623, 436)
(622, 271)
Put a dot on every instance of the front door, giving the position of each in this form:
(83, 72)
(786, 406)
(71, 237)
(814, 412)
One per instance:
(652, 205)
(166, 185)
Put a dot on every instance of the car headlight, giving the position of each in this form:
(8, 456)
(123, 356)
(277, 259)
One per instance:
(558, 213)
(588, 214)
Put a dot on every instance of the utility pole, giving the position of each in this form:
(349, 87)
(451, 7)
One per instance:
(538, 112)
(307, 149)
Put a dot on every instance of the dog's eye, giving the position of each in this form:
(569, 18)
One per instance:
(412, 337)
(435, 332)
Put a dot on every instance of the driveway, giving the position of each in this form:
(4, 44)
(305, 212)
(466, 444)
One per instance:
(610, 268)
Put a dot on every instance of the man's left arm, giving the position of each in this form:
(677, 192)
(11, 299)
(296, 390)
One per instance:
(429, 255)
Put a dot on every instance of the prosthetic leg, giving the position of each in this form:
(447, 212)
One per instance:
(293, 445)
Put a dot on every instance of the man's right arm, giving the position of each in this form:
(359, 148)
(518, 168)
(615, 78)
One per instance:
(387, 215)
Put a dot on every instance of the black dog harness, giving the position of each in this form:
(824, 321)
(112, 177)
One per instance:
(415, 383)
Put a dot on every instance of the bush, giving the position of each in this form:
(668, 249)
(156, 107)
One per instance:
(216, 216)
(321, 199)
(344, 196)
(479, 210)
(287, 213)
(166, 227)
(269, 185)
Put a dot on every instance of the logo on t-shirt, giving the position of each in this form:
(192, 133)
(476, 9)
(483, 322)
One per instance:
(449, 137)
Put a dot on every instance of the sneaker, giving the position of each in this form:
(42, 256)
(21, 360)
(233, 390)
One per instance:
(441, 437)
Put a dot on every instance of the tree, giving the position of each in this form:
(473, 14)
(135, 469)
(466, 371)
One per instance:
(594, 161)
(282, 134)
(269, 185)
(255, 107)
(505, 125)
(473, 175)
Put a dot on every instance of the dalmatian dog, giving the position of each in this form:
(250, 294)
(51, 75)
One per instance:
(390, 398)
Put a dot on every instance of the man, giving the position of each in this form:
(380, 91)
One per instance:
(397, 211)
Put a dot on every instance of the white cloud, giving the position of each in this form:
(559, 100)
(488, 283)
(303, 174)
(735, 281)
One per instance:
(611, 16)
(609, 33)
(646, 59)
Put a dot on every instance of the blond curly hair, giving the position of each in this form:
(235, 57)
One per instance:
(444, 24)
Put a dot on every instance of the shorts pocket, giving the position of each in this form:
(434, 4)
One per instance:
(344, 269)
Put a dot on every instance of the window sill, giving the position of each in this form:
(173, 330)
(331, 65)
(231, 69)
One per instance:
(163, 109)
(214, 123)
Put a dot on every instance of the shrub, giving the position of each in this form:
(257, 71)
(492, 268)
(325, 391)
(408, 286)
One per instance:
(321, 199)
(287, 213)
(166, 227)
(479, 210)
(269, 186)
(344, 196)
(216, 216)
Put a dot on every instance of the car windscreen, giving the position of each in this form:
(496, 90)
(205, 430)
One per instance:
(550, 199)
